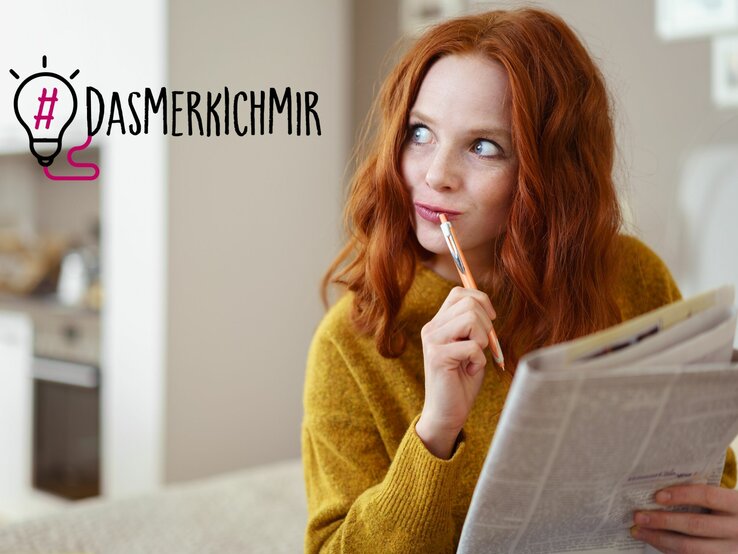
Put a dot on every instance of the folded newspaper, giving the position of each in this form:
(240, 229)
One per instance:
(592, 428)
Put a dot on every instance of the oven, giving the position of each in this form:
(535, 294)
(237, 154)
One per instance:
(66, 403)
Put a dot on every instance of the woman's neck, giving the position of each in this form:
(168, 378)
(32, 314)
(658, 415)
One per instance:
(482, 270)
(443, 266)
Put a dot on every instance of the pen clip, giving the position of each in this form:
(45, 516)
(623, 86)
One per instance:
(446, 228)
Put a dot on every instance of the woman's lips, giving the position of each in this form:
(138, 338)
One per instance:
(432, 213)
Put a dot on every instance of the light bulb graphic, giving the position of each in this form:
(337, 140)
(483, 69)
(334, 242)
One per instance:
(45, 104)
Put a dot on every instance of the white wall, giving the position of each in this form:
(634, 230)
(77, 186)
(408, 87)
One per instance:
(253, 225)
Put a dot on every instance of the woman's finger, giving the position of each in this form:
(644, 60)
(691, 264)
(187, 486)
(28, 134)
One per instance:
(456, 353)
(459, 293)
(668, 541)
(707, 496)
(467, 325)
(696, 525)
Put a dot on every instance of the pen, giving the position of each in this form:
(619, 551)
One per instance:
(468, 281)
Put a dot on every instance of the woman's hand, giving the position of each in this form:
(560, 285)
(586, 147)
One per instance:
(675, 532)
(453, 353)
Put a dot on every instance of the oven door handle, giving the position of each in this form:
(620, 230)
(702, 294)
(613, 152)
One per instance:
(67, 373)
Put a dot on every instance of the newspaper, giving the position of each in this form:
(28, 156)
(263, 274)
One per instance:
(592, 428)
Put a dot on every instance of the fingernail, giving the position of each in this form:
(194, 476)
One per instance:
(635, 532)
(663, 496)
(642, 519)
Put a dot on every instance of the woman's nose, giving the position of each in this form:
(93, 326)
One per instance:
(443, 171)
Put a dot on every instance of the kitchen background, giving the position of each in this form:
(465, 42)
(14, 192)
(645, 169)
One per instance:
(165, 309)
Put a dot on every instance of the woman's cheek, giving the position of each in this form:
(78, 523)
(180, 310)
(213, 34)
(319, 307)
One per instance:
(406, 170)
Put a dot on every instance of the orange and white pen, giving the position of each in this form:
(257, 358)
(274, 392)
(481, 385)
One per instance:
(468, 281)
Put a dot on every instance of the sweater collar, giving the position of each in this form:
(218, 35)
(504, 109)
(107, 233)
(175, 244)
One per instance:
(427, 294)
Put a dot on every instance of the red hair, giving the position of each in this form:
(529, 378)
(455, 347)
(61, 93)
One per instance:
(555, 266)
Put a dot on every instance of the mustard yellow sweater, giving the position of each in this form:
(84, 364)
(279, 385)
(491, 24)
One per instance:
(372, 486)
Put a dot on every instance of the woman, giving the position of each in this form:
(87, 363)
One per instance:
(501, 121)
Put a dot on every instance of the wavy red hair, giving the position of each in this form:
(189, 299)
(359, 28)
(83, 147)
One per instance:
(554, 276)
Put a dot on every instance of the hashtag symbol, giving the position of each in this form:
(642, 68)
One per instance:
(42, 100)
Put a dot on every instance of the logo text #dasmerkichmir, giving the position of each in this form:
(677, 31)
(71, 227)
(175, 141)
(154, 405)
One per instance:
(179, 112)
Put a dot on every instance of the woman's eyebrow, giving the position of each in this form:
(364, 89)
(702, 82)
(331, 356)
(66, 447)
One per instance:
(476, 131)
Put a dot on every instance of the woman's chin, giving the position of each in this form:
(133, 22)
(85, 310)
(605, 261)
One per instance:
(434, 245)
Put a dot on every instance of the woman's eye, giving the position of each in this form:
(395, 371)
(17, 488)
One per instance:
(486, 149)
(420, 134)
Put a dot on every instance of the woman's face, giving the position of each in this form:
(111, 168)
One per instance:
(458, 158)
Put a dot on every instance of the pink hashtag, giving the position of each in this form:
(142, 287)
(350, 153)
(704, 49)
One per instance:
(42, 101)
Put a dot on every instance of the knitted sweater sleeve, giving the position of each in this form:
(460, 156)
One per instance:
(361, 498)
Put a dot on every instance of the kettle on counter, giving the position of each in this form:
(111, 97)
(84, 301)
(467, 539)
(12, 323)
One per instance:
(79, 270)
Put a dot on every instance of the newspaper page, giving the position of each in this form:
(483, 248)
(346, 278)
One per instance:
(579, 448)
